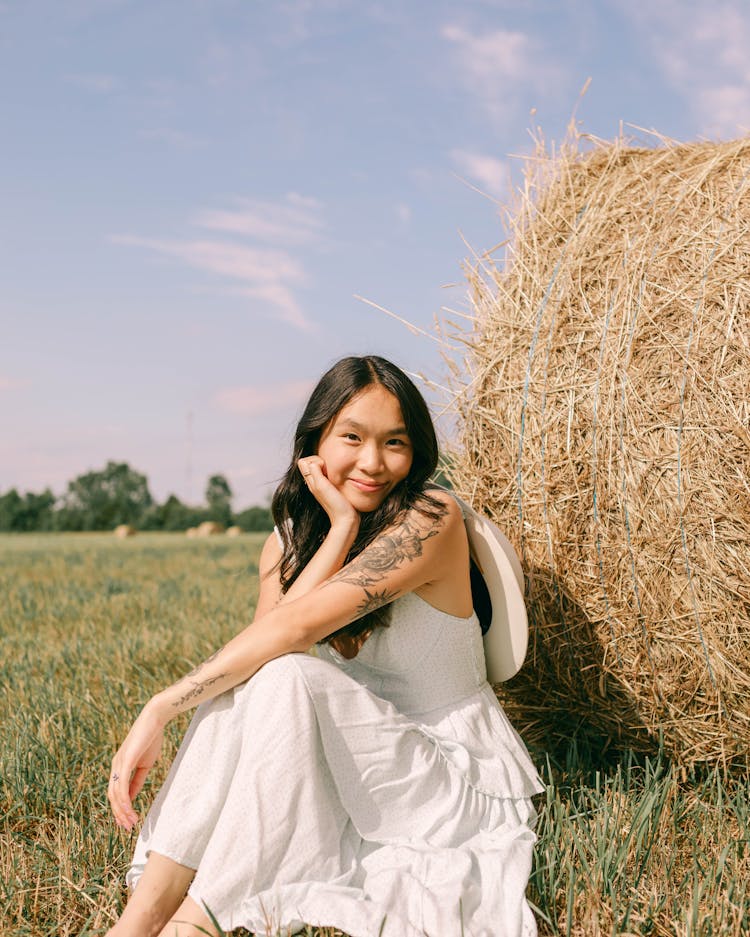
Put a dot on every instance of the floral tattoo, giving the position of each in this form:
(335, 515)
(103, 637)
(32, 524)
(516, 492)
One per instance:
(199, 667)
(198, 686)
(196, 689)
(385, 554)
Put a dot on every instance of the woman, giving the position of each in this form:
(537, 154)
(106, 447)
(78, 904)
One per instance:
(376, 787)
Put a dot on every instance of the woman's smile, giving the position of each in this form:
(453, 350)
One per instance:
(367, 486)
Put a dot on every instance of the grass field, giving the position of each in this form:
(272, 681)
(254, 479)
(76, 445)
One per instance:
(90, 626)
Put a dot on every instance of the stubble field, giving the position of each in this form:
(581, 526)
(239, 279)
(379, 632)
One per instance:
(90, 626)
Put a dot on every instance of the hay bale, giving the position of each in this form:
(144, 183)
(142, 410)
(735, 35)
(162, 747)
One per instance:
(234, 531)
(209, 529)
(605, 418)
(124, 530)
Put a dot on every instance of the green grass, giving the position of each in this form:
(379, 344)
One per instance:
(90, 626)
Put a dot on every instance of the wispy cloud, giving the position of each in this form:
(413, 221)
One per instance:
(704, 52)
(498, 54)
(269, 274)
(12, 383)
(495, 64)
(403, 213)
(172, 137)
(725, 109)
(96, 82)
(259, 271)
(255, 399)
(301, 19)
(225, 258)
(296, 220)
(492, 175)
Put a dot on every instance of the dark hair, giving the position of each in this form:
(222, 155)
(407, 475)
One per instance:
(292, 500)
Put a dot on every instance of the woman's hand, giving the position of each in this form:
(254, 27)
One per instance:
(131, 764)
(325, 492)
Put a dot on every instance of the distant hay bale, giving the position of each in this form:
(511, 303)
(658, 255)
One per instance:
(191, 532)
(605, 416)
(210, 528)
(234, 531)
(124, 530)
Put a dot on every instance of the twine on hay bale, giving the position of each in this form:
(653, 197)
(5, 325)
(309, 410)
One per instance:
(605, 418)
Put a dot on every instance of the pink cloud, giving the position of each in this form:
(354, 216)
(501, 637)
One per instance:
(256, 399)
(267, 274)
(489, 173)
(702, 49)
(294, 220)
(12, 383)
(496, 64)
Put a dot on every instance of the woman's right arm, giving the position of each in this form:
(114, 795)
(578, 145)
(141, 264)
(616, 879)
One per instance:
(330, 555)
(415, 550)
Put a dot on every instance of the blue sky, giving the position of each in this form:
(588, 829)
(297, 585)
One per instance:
(194, 193)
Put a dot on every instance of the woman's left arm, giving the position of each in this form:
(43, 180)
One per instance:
(414, 551)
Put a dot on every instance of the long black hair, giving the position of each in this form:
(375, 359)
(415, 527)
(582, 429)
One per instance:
(301, 521)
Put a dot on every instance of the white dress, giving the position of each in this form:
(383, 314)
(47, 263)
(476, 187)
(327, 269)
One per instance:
(387, 795)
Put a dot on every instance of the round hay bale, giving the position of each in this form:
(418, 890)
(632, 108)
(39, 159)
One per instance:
(234, 531)
(605, 416)
(210, 528)
(191, 532)
(124, 530)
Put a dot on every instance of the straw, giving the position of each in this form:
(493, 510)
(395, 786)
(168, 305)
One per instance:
(602, 396)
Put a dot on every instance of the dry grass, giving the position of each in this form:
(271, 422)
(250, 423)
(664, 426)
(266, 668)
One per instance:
(604, 408)
(90, 626)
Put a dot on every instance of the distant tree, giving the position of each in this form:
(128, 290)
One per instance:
(219, 500)
(11, 504)
(173, 515)
(27, 513)
(101, 500)
(255, 518)
(38, 511)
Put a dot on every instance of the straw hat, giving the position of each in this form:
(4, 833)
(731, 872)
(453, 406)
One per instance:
(507, 636)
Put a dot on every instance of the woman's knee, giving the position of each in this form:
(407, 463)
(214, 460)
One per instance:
(289, 669)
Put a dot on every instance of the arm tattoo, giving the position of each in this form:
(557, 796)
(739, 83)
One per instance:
(374, 600)
(199, 667)
(387, 553)
(197, 688)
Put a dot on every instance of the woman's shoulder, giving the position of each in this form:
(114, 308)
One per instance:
(270, 553)
(445, 506)
(435, 514)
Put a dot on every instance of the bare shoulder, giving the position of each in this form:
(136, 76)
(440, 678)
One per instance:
(269, 555)
(448, 502)
(435, 516)
(270, 577)
(444, 519)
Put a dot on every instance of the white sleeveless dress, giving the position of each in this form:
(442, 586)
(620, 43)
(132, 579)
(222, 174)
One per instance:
(387, 796)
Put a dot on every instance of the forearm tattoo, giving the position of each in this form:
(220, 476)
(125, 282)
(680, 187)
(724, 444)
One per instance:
(385, 554)
(199, 667)
(196, 688)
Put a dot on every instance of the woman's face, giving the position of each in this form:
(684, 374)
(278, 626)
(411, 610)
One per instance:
(366, 449)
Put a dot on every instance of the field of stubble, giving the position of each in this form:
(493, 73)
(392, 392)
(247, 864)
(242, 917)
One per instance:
(90, 626)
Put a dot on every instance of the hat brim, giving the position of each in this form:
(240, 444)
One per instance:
(507, 638)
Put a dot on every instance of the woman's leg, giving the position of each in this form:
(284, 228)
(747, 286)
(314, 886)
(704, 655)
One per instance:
(159, 893)
(189, 921)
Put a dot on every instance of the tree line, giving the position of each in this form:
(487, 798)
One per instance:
(118, 494)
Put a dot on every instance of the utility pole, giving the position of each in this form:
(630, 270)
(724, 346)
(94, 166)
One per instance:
(189, 458)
